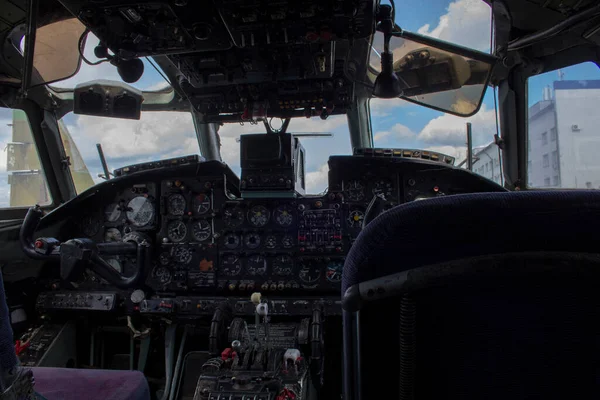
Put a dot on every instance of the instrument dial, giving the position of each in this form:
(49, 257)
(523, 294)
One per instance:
(256, 265)
(355, 218)
(140, 211)
(333, 272)
(271, 242)
(233, 217)
(164, 258)
(201, 203)
(252, 240)
(182, 255)
(176, 204)
(283, 265)
(112, 235)
(384, 187)
(201, 230)
(176, 231)
(90, 225)
(287, 241)
(231, 265)
(354, 191)
(309, 273)
(162, 275)
(112, 212)
(258, 216)
(232, 241)
(284, 216)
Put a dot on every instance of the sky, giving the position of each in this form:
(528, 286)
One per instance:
(395, 123)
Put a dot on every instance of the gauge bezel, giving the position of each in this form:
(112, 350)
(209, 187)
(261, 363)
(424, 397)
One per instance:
(281, 208)
(176, 212)
(199, 222)
(267, 213)
(132, 220)
(170, 226)
(194, 204)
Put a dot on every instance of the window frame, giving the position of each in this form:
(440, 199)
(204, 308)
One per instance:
(42, 133)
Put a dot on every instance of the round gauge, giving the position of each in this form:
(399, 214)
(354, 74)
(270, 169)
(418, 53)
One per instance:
(116, 264)
(176, 204)
(140, 211)
(283, 265)
(201, 203)
(309, 274)
(112, 235)
(162, 275)
(333, 272)
(90, 225)
(284, 216)
(233, 217)
(354, 191)
(201, 230)
(182, 255)
(355, 219)
(176, 231)
(231, 265)
(384, 187)
(287, 241)
(232, 241)
(271, 242)
(252, 240)
(258, 216)
(256, 265)
(164, 258)
(112, 212)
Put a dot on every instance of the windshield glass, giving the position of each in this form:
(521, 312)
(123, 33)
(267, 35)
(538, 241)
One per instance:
(397, 123)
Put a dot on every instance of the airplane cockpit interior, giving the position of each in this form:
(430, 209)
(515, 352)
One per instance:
(299, 200)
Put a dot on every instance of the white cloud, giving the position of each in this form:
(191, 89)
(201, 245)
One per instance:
(316, 181)
(397, 132)
(467, 22)
(385, 107)
(451, 130)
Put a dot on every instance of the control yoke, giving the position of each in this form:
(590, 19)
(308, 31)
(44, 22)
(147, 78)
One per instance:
(75, 254)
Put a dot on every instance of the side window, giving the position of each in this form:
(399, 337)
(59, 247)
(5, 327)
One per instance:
(563, 137)
(22, 180)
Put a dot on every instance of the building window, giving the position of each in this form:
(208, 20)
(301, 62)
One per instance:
(545, 138)
(555, 180)
(555, 159)
(546, 181)
(553, 135)
(546, 161)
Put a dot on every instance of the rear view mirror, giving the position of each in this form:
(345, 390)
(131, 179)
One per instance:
(439, 75)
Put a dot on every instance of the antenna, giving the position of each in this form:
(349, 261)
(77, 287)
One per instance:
(106, 175)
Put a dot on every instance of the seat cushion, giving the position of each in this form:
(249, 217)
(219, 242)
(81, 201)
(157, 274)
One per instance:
(67, 384)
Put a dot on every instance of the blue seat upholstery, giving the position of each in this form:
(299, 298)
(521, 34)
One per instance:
(75, 384)
(524, 338)
(452, 227)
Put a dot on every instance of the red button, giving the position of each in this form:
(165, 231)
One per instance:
(39, 244)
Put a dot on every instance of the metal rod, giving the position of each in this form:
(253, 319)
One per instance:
(180, 356)
(469, 147)
(103, 161)
(29, 45)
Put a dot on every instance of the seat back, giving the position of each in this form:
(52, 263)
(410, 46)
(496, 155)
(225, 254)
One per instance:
(482, 313)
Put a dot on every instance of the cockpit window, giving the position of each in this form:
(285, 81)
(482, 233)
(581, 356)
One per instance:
(563, 140)
(22, 179)
(397, 123)
(156, 136)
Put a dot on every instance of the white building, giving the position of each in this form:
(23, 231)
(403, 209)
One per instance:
(486, 162)
(564, 137)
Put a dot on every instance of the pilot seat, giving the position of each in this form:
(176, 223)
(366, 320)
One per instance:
(488, 295)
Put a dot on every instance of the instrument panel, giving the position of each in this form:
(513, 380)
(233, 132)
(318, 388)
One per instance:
(209, 241)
